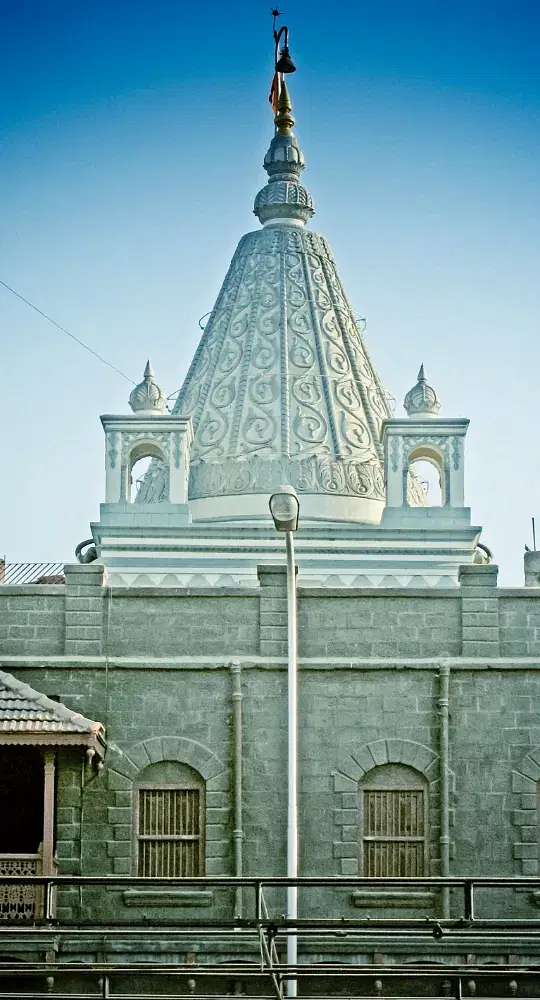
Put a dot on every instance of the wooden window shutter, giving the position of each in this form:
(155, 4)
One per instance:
(169, 832)
(394, 833)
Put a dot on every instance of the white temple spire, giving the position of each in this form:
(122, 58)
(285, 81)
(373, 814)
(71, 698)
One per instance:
(281, 387)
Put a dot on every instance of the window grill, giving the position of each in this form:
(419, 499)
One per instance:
(169, 832)
(394, 838)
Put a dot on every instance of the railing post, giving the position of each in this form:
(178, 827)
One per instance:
(49, 901)
(469, 900)
(258, 901)
(103, 985)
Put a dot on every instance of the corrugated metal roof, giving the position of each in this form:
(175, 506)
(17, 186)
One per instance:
(19, 573)
(22, 709)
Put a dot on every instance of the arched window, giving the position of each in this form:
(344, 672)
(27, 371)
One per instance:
(143, 455)
(393, 822)
(427, 464)
(169, 805)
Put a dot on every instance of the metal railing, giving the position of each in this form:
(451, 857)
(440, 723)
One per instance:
(260, 936)
(240, 980)
(465, 886)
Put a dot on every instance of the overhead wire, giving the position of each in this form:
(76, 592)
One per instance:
(63, 329)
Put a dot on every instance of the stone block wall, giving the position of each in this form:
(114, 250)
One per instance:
(479, 610)
(172, 623)
(31, 620)
(273, 611)
(85, 618)
(84, 609)
(520, 624)
(379, 624)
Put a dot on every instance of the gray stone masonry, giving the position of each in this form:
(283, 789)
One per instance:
(273, 610)
(176, 622)
(378, 623)
(32, 620)
(520, 623)
(479, 610)
(84, 609)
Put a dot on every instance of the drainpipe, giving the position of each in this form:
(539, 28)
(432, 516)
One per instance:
(238, 831)
(442, 706)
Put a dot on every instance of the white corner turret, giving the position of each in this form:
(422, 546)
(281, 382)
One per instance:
(424, 436)
(126, 530)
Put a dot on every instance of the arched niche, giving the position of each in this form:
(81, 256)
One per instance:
(140, 456)
(427, 462)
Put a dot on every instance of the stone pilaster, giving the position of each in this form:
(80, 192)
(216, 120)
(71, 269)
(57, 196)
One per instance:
(531, 562)
(479, 610)
(273, 610)
(84, 609)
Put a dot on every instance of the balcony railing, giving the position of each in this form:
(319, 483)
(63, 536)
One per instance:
(22, 900)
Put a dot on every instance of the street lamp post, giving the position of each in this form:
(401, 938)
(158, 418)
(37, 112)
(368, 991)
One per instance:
(284, 508)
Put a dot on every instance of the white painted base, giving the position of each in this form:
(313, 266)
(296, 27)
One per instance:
(328, 554)
(317, 506)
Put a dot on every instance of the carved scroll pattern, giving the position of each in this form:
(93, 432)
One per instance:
(226, 344)
(194, 391)
(309, 421)
(233, 389)
(316, 474)
(259, 422)
(363, 371)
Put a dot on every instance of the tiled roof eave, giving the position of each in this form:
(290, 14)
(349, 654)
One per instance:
(23, 710)
(94, 740)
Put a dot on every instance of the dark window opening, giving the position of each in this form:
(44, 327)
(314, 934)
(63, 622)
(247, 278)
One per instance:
(21, 800)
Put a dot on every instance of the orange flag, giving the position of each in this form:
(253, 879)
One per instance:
(274, 93)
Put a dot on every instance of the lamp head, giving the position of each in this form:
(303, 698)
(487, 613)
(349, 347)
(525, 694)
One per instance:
(285, 508)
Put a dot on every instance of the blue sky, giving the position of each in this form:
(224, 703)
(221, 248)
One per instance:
(131, 144)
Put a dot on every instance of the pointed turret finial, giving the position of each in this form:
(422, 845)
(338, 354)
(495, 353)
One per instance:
(284, 119)
(147, 397)
(422, 400)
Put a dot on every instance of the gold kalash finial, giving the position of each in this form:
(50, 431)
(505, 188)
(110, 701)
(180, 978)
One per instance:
(279, 95)
(284, 119)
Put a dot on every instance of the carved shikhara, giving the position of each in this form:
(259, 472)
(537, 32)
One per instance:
(281, 387)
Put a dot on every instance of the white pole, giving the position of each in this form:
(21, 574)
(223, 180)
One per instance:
(292, 758)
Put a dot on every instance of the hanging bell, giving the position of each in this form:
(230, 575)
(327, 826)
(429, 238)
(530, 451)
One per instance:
(285, 63)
